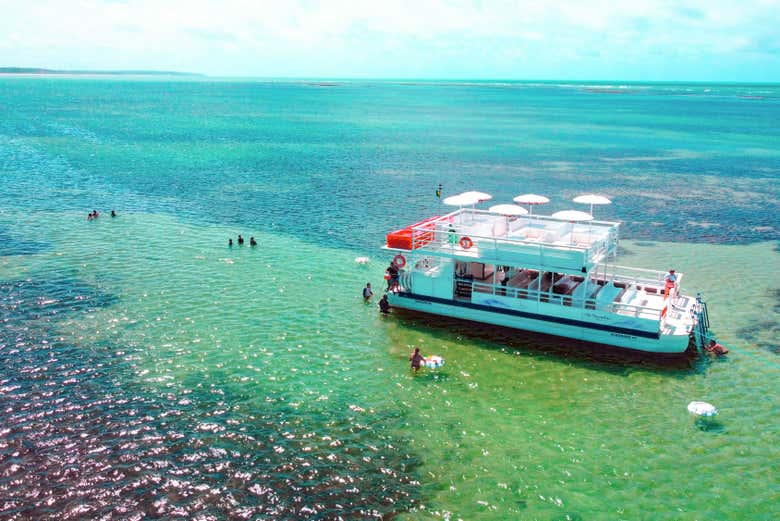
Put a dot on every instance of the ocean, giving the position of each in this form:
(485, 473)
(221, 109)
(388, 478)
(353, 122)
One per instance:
(150, 370)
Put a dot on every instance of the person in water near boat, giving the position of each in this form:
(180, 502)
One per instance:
(416, 359)
(716, 348)
(252, 241)
(367, 293)
(240, 239)
(384, 304)
(670, 283)
(113, 213)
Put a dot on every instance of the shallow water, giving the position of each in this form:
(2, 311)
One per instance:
(150, 369)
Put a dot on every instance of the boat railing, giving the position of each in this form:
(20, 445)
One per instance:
(638, 275)
(556, 298)
(442, 236)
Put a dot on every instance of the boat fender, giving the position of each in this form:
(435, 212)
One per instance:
(702, 409)
(466, 243)
(399, 260)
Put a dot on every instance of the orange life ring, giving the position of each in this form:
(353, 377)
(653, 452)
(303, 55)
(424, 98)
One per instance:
(466, 243)
(399, 260)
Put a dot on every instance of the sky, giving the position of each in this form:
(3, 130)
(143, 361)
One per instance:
(632, 40)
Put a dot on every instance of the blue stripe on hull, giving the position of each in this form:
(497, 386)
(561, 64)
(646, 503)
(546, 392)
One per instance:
(535, 316)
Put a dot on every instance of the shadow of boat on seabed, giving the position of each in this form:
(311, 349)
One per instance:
(526, 343)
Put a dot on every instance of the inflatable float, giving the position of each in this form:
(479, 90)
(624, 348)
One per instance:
(703, 409)
(433, 362)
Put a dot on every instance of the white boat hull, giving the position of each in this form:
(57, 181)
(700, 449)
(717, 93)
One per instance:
(600, 332)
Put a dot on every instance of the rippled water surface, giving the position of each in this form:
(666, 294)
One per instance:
(149, 370)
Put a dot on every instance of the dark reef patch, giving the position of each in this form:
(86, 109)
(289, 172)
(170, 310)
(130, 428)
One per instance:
(83, 439)
(12, 245)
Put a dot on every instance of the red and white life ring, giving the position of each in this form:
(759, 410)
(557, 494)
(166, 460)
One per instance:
(399, 260)
(466, 243)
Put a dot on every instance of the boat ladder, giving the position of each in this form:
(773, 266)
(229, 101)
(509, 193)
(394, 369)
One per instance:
(701, 322)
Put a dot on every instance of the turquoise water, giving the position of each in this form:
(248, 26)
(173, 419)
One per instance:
(150, 369)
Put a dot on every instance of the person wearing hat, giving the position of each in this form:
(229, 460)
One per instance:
(670, 283)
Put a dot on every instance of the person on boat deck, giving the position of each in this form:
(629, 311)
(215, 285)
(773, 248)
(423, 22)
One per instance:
(384, 304)
(416, 359)
(716, 348)
(670, 282)
(501, 279)
(240, 239)
(252, 241)
(392, 283)
(367, 293)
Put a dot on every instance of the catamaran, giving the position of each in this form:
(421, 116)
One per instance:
(554, 275)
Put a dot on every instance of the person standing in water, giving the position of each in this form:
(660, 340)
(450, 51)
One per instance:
(240, 240)
(367, 293)
(252, 241)
(384, 304)
(416, 359)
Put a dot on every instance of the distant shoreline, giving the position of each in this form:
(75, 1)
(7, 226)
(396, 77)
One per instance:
(37, 70)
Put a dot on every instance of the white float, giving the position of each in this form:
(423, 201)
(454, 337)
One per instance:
(433, 362)
(361, 260)
(704, 409)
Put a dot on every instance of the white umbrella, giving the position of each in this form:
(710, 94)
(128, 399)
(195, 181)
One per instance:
(572, 216)
(531, 199)
(460, 200)
(508, 209)
(480, 196)
(591, 199)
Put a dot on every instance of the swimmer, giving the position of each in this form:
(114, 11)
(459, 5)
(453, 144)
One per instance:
(716, 349)
(252, 241)
(367, 293)
(113, 213)
(230, 243)
(417, 359)
(240, 239)
(384, 304)
(95, 214)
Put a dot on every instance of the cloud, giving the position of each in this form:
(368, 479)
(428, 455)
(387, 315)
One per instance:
(396, 38)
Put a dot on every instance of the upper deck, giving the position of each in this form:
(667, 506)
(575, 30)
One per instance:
(530, 241)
